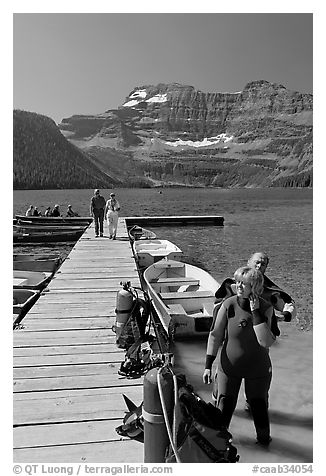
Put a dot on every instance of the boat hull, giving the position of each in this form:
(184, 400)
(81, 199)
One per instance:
(30, 279)
(183, 297)
(35, 228)
(51, 237)
(49, 266)
(23, 300)
(139, 233)
(75, 221)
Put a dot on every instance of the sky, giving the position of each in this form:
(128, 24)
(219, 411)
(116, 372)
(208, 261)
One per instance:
(86, 63)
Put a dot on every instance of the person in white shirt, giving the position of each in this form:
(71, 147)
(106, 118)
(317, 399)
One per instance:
(30, 211)
(112, 208)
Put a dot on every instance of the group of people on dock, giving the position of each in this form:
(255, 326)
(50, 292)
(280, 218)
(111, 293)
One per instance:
(100, 209)
(244, 327)
(50, 212)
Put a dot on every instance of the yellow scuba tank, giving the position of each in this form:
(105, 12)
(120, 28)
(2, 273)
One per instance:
(124, 307)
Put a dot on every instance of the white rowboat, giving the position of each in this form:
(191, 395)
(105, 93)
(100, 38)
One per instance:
(183, 297)
(30, 279)
(23, 300)
(139, 233)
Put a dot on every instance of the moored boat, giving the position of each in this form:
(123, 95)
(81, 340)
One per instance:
(36, 264)
(76, 221)
(150, 251)
(35, 228)
(183, 297)
(32, 257)
(50, 237)
(30, 279)
(139, 233)
(23, 300)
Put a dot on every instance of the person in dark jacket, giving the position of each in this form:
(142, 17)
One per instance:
(281, 301)
(56, 211)
(36, 213)
(97, 207)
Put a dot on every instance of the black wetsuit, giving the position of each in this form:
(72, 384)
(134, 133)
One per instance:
(242, 357)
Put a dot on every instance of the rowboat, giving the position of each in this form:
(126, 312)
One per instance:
(148, 252)
(39, 257)
(50, 237)
(34, 263)
(30, 279)
(182, 296)
(76, 221)
(138, 233)
(23, 300)
(23, 227)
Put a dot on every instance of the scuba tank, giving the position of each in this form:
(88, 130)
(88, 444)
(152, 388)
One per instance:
(133, 331)
(132, 315)
(124, 308)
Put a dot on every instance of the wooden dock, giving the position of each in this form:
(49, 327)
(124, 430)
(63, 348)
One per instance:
(67, 390)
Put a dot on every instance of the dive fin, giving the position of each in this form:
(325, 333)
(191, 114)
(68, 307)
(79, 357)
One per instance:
(130, 404)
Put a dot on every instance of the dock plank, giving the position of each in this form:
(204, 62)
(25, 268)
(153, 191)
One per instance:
(70, 324)
(73, 408)
(67, 359)
(67, 433)
(37, 351)
(57, 371)
(121, 451)
(71, 382)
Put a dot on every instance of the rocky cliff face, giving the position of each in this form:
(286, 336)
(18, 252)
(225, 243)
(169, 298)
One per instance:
(172, 133)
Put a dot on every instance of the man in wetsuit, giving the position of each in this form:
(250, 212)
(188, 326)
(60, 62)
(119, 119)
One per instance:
(281, 301)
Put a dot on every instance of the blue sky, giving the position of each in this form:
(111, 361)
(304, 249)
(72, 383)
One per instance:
(86, 63)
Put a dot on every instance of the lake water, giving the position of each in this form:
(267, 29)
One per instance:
(278, 221)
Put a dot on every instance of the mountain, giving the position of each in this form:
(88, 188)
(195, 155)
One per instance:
(44, 159)
(172, 134)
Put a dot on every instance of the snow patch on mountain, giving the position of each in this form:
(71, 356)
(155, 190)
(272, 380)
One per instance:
(131, 103)
(158, 98)
(140, 93)
(139, 96)
(221, 138)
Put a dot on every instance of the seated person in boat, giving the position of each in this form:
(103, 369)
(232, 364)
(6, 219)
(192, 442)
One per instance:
(36, 213)
(56, 211)
(47, 212)
(71, 213)
(241, 336)
(279, 299)
(30, 211)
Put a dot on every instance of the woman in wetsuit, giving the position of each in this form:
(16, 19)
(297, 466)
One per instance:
(242, 335)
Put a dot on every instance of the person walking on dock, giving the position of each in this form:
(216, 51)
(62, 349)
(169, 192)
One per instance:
(111, 212)
(97, 211)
